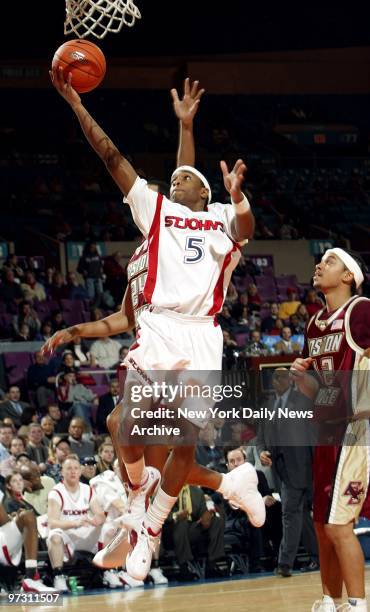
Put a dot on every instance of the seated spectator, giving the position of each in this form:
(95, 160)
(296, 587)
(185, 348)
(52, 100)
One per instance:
(59, 450)
(17, 446)
(14, 488)
(75, 290)
(22, 532)
(81, 353)
(45, 332)
(13, 407)
(313, 303)
(276, 331)
(296, 325)
(80, 446)
(36, 449)
(123, 352)
(37, 487)
(225, 319)
(106, 404)
(242, 319)
(23, 334)
(32, 290)
(28, 416)
(41, 380)
(58, 289)
(286, 346)
(79, 397)
(192, 526)
(11, 292)
(6, 435)
(88, 469)
(207, 453)
(60, 422)
(256, 347)
(303, 316)
(27, 315)
(57, 321)
(115, 276)
(254, 299)
(289, 307)
(78, 532)
(106, 457)
(230, 353)
(12, 264)
(90, 266)
(237, 524)
(106, 352)
(231, 294)
(96, 314)
(68, 363)
(47, 426)
(268, 323)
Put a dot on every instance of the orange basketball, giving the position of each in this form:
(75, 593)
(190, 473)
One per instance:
(84, 60)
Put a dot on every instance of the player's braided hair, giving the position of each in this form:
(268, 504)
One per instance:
(364, 269)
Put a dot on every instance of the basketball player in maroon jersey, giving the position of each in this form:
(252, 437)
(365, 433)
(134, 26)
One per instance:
(338, 340)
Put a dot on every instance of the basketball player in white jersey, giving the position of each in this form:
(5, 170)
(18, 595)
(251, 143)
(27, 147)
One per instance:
(74, 519)
(337, 340)
(18, 533)
(192, 251)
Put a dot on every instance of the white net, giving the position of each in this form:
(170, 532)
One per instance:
(98, 17)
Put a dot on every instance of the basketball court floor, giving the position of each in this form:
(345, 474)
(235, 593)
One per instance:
(260, 594)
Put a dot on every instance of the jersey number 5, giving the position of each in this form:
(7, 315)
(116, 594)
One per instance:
(194, 249)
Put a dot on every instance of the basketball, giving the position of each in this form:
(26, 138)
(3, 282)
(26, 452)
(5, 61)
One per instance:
(84, 60)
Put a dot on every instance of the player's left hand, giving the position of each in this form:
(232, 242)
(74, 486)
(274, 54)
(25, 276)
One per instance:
(233, 179)
(186, 108)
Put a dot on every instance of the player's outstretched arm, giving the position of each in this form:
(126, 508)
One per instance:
(118, 166)
(185, 110)
(244, 218)
(114, 324)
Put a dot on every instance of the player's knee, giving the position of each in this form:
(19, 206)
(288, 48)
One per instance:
(26, 518)
(55, 540)
(338, 533)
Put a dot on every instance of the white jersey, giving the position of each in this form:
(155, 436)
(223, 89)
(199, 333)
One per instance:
(108, 488)
(191, 255)
(73, 505)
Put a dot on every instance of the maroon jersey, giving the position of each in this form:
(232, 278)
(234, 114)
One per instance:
(336, 342)
(137, 271)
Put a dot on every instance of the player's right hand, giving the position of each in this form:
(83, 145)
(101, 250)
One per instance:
(60, 337)
(300, 366)
(64, 87)
(266, 460)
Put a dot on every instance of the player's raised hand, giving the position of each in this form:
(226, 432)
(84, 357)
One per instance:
(233, 179)
(64, 87)
(60, 337)
(186, 108)
(300, 366)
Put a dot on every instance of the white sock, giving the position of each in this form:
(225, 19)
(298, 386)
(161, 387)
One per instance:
(158, 511)
(357, 603)
(136, 472)
(30, 563)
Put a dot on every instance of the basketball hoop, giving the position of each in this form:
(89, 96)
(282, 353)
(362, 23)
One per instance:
(98, 17)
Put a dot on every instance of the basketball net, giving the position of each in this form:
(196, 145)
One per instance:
(98, 17)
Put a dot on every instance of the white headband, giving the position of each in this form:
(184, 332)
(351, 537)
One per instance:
(349, 262)
(200, 176)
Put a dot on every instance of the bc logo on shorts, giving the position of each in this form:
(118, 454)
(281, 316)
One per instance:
(355, 491)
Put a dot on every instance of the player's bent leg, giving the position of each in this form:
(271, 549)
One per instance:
(350, 557)
(26, 523)
(239, 487)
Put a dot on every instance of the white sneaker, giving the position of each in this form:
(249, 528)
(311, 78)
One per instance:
(114, 554)
(157, 576)
(35, 585)
(139, 498)
(129, 582)
(139, 560)
(324, 606)
(241, 490)
(60, 583)
(110, 578)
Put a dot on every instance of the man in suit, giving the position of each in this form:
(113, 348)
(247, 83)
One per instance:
(106, 404)
(13, 407)
(293, 465)
(286, 346)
